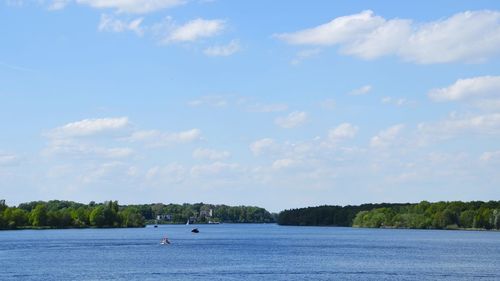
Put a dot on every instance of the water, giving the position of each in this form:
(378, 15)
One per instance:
(249, 252)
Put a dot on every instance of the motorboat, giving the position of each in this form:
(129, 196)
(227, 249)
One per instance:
(195, 230)
(165, 241)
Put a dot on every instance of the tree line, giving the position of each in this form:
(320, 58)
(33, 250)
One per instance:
(67, 214)
(423, 215)
(326, 215)
(439, 215)
(199, 213)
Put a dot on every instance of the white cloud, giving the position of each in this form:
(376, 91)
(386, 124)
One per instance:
(483, 124)
(77, 149)
(490, 156)
(132, 6)
(361, 91)
(156, 138)
(7, 159)
(261, 145)
(339, 30)
(90, 127)
(470, 36)
(386, 137)
(110, 24)
(191, 31)
(477, 87)
(399, 102)
(210, 154)
(292, 120)
(223, 50)
(284, 163)
(342, 132)
(58, 4)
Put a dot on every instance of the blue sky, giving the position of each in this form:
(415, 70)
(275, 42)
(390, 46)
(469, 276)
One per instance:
(279, 104)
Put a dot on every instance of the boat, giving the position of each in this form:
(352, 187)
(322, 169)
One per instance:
(195, 230)
(187, 223)
(165, 241)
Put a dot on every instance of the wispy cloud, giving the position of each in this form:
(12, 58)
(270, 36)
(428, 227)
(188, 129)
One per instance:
(477, 87)
(223, 50)
(471, 36)
(170, 32)
(110, 24)
(361, 91)
(90, 127)
(292, 120)
(131, 6)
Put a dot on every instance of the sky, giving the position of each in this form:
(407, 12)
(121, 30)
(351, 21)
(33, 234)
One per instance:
(279, 104)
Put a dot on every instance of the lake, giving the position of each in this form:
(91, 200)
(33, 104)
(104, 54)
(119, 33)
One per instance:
(249, 252)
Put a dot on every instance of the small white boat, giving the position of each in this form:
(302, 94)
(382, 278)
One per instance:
(164, 241)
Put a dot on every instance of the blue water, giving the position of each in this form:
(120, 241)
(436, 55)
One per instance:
(249, 252)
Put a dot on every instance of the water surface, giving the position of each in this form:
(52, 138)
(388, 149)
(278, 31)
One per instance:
(249, 252)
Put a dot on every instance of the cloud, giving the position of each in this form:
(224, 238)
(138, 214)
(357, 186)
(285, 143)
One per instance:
(342, 132)
(7, 159)
(490, 156)
(477, 87)
(386, 137)
(261, 145)
(482, 124)
(223, 50)
(470, 36)
(196, 29)
(156, 138)
(210, 154)
(58, 4)
(90, 127)
(76, 149)
(110, 24)
(292, 120)
(132, 6)
(361, 91)
(399, 102)
(284, 163)
(339, 30)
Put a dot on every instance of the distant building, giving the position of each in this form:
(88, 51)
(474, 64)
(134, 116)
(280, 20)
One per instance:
(167, 217)
(206, 213)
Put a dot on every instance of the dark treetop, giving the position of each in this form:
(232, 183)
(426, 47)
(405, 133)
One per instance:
(424, 215)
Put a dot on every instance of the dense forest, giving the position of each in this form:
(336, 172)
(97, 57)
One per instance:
(424, 215)
(439, 215)
(326, 215)
(67, 214)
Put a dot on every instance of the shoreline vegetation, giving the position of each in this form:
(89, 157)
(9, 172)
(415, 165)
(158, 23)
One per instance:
(56, 214)
(454, 215)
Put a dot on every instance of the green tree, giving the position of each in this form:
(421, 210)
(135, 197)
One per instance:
(97, 217)
(38, 216)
